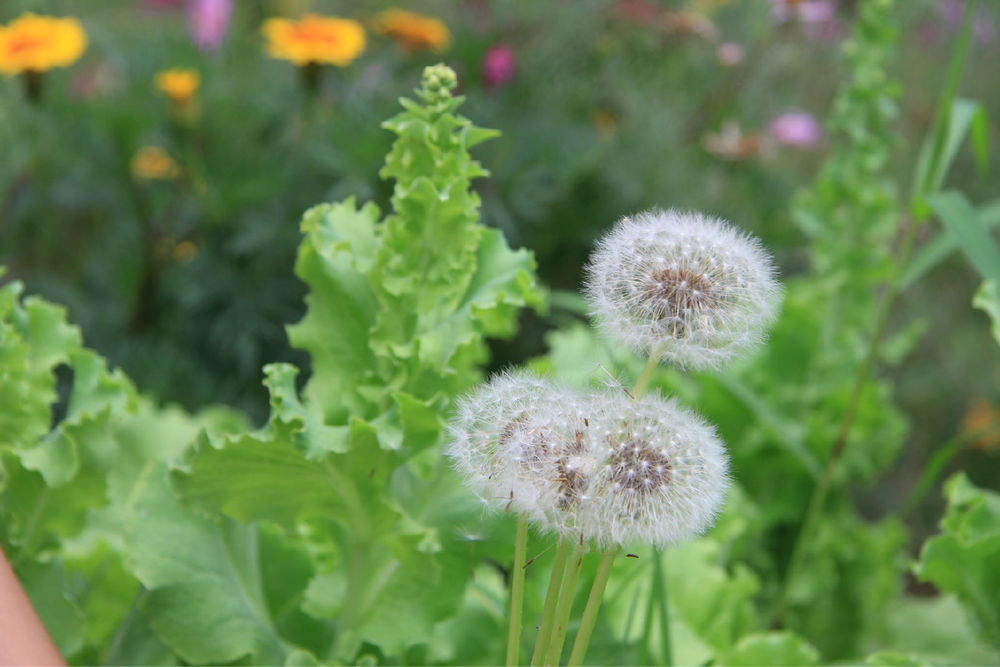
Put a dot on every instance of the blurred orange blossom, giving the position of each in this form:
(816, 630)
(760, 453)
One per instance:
(414, 31)
(315, 39)
(180, 85)
(33, 43)
(153, 163)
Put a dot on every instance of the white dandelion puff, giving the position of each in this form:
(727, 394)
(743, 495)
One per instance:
(601, 466)
(662, 473)
(683, 287)
(519, 441)
(483, 424)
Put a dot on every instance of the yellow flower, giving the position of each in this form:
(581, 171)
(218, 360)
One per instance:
(38, 43)
(179, 85)
(185, 251)
(414, 31)
(315, 39)
(152, 162)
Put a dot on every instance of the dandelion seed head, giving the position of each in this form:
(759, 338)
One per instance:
(662, 475)
(685, 287)
(520, 442)
(603, 466)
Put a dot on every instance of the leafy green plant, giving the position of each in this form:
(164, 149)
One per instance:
(963, 558)
(332, 528)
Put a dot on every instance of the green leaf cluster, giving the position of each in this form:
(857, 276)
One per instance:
(348, 472)
(964, 558)
(333, 533)
(78, 445)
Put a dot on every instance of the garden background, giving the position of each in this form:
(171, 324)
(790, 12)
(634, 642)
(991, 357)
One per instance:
(165, 218)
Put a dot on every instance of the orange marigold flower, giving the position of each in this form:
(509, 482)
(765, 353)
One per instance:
(414, 31)
(153, 163)
(315, 39)
(179, 85)
(38, 43)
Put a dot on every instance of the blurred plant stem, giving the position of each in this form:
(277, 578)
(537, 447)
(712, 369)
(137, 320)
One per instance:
(660, 591)
(311, 74)
(33, 86)
(642, 384)
(935, 468)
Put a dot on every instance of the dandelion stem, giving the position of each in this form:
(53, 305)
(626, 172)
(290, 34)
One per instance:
(642, 384)
(565, 607)
(661, 593)
(33, 86)
(517, 592)
(551, 597)
(582, 640)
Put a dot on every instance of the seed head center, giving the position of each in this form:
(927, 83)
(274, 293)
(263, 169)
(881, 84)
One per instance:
(637, 465)
(680, 291)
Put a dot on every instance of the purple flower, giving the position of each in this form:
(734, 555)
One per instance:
(498, 66)
(209, 22)
(796, 129)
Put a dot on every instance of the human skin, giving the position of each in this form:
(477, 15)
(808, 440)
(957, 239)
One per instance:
(23, 639)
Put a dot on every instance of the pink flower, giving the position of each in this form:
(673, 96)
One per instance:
(730, 54)
(498, 66)
(796, 129)
(209, 22)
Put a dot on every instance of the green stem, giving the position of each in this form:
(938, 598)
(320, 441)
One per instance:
(661, 593)
(33, 86)
(933, 469)
(517, 592)
(565, 606)
(551, 597)
(582, 640)
(642, 384)
(647, 631)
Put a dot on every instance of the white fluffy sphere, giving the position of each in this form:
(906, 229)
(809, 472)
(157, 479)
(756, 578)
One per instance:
(683, 287)
(518, 442)
(662, 476)
(600, 466)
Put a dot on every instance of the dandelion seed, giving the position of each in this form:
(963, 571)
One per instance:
(683, 287)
